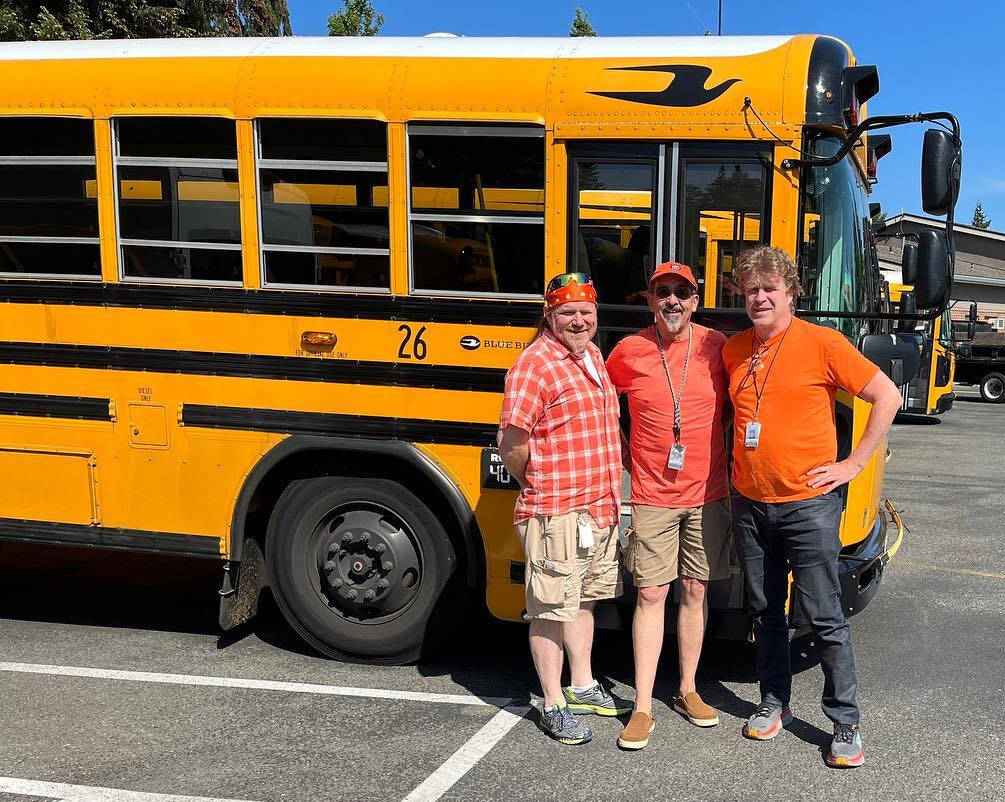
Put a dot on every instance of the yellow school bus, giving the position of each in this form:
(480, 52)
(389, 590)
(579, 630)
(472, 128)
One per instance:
(259, 296)
(931, 391)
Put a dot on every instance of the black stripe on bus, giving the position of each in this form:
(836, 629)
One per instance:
(104, 537)
(476, 311)
(325, 423)
(55, 406)
(259, 366)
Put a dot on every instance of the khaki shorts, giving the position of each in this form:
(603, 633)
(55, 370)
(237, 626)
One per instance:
(560, 575)
(668, 543)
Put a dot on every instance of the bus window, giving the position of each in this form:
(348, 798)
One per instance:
(723, 208)
(324, 203)
(615, 207)
(48, 198)
(476, 209)
(833, 249)
(178, 200)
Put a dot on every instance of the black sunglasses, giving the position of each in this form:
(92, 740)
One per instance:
(684, 292)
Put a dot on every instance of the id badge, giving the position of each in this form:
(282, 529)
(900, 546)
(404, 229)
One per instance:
(676, 460)
(585, 533)
(753, 434)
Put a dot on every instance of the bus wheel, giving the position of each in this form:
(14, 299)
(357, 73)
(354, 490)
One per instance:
(362, 569)
(993, 388)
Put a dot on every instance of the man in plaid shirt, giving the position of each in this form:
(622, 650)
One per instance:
(559, 437)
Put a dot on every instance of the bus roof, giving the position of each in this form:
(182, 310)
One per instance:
(688, 87)
(438, 46)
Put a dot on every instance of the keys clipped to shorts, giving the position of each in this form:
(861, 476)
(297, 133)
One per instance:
(585, 531)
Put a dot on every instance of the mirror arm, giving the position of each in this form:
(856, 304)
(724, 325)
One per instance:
(873, 123)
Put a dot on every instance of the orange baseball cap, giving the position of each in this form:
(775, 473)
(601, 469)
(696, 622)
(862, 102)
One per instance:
(674, 269)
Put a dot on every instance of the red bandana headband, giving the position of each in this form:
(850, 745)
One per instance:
(573, 291)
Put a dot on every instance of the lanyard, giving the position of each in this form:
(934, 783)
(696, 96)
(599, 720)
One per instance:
(666, 369)
(751, 370)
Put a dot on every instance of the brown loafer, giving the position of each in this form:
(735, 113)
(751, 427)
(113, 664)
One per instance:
(695, 710)
(635, 735)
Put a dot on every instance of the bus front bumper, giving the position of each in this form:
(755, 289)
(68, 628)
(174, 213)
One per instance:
(860, 566)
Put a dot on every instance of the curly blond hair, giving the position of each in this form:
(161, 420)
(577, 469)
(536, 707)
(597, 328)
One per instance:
(765, 260)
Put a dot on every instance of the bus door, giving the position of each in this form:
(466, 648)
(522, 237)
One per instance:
(636, 204)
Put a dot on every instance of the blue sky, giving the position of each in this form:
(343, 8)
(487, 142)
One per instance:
(931, 56)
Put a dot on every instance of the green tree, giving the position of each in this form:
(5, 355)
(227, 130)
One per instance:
(146, 19)
(980, 221)
(358, 18)
(581, 24)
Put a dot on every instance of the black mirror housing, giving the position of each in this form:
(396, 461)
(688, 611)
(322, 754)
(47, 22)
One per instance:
(907, 307)
(972, 321)
(934, 275)
(897, 355)
(941, 161)
(909, 262)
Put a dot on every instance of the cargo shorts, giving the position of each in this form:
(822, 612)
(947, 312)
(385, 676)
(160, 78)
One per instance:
(668, 542)
(560, 574)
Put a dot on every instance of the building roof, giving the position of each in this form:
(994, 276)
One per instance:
(983, 258)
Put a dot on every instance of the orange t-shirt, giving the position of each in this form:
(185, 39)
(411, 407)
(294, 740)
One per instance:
(635, 368)
(800, 376)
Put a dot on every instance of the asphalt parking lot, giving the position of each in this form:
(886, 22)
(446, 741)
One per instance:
(117, 687)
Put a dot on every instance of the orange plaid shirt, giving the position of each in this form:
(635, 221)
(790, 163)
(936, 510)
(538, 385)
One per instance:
(575, 443)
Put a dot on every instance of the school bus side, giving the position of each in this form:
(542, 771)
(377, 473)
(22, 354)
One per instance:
(204, 402)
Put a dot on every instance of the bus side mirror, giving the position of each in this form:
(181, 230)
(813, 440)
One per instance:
(897, 355)
(941, 161)
(909, 262)
(972, 322)
(907, 307)
(933, 281)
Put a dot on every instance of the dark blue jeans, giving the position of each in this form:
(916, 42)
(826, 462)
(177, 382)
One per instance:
(802, 536)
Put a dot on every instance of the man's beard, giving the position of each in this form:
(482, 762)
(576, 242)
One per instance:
(674, 326)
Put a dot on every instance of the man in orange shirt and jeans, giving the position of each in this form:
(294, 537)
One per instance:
(783, 376)
(673, 375)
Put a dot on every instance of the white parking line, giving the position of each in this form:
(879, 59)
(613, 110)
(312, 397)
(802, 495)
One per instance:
(256, 684)
(90, 793)
(461, 761)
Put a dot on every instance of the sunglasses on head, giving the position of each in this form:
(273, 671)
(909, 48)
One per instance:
(565, 279)
(683, 292)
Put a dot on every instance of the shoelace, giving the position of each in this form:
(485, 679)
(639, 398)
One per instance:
(765, 710)
(844, 733)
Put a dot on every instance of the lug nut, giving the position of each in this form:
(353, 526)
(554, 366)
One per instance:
(336, 583)
(332, 550)
(382, 583)
(388, 565)
(352, 594)
(369, 595)
(347, 537)
(364, 538)
(379, 548)
(330, 566)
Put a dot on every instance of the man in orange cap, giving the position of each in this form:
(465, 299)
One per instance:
(673, 376)
(559, 438)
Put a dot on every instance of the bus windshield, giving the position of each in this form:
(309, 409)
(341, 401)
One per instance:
(835, 221)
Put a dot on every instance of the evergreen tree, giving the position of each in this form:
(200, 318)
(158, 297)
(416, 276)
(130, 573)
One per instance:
(358, 18)
(581, 24)
(141, 19)
(980, 221)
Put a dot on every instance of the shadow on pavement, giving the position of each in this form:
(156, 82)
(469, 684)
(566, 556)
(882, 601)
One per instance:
(912, 419)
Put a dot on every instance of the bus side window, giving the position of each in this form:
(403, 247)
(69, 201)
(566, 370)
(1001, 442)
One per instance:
(324, 201)
(476, 210)
(178, 199)
(48, 198)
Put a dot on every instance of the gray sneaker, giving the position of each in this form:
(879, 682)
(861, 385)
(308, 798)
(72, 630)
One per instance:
(767, 722)
(560, 724)
(595, 700)
(846, 747)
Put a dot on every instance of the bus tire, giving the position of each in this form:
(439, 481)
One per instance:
(993, 388)
(362, 569)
